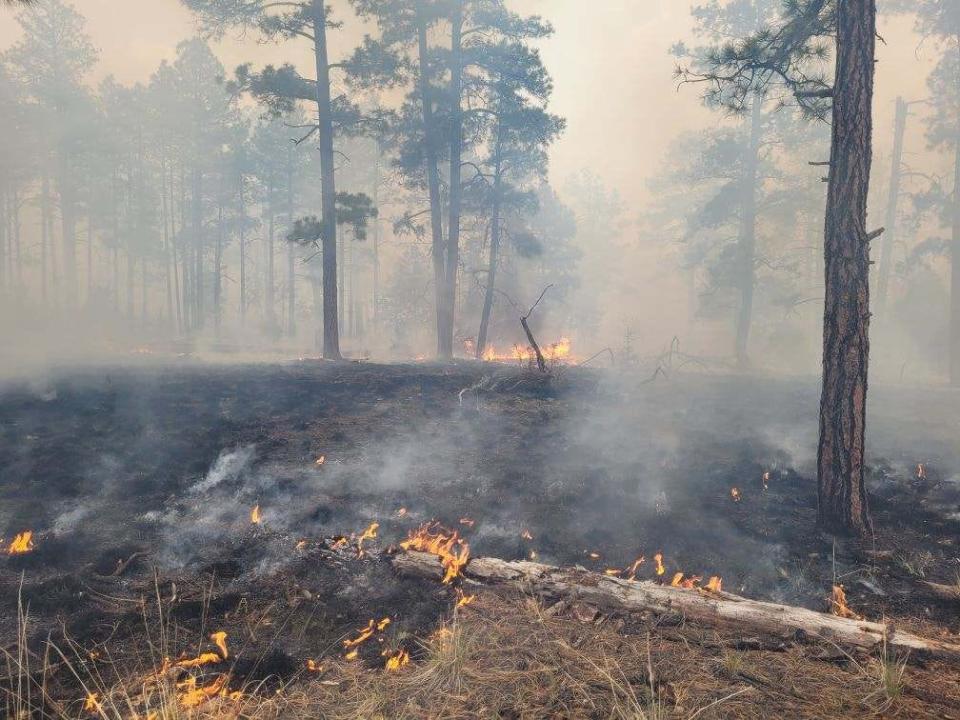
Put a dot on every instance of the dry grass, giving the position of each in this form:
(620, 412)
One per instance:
(510, 658)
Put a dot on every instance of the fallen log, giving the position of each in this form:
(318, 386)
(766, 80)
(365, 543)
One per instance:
(721, 610)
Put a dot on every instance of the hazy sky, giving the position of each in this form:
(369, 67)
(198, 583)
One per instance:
(609, 60)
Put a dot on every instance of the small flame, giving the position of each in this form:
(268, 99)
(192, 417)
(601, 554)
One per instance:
(631, 572)
(401, 512)
(453, 551)
(22, 543)
(397, 660)
(320, 460)
(340, 542)
(209, 658)
(766, 480)
(838, 604)
(715, 584)
(352, 655)
(382, 625)
(301, 544)
(594, 555)
(193, 696)
(735, 494)
(314, 666)
(92, 703)
(467, 522)
(255, 517)
(533, 555)
(525, 534)
(219, 639)
(658, 559)
(464, 600)
(612, 572)
(921, 471)
(365, 633)
(369, 534)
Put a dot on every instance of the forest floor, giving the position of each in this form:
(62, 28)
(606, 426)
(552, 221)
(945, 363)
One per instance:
(139, 485)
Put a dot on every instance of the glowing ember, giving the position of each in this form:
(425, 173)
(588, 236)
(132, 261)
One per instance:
(526, 535)
(92, 703)
(658, 559)
(735, 494)
(255, 517)
(22, 543)
(453, 551)
(219, 639)
(320, 460)
(838, 604)
(714, 584)
(397, 660)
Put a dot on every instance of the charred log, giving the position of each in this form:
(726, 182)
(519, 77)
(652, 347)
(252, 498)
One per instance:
(716, 609)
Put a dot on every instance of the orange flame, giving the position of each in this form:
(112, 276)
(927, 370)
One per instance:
(715, 584)
(382, 625)
(397, 660)
(255, 517)
(365, 634)
(352, 655)
(735, 494)
(22, 543)
(92, 703)
(453, 551)
(464, 600)
(838, 604)
(314, 666)
(658, 559)
(369, 534)
(193, 696)
(219, 639)
(558, 351)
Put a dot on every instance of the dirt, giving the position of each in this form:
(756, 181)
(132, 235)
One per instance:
(138, 483)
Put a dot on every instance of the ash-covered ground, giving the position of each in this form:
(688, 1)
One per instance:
(132, 478)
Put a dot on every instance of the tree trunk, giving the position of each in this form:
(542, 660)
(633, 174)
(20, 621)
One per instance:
(746, 245)
(44, 234)
(455, 190)
(376, 242)
(217, 274)
(955, 273)
(291, 253)
(893, 199)
(433, 173)
(494, 250)
(243, 258)
(197, 273)
(68, 240)
(270, 315)
(842, 498)
(328, 189)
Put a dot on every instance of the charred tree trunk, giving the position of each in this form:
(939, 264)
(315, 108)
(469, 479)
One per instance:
(449, 303)
(746, 245)
(494, 249)
(842, 498)
(328, 189)
(893, 199)
(433, 172)
(291, 253)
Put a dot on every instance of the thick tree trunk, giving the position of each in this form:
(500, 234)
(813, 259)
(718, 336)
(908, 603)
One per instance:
(430, 143)
(714, 609)
(747, 242)
(846, 346)
(449, 302)
(893, 199)
(328, 190)
(494, 251)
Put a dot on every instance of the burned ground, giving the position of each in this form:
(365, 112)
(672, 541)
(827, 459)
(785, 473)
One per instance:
(139, 482)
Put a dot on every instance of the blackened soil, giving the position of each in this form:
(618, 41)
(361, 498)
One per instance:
(138, 484)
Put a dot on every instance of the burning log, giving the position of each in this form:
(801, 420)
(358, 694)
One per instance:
(716, 609)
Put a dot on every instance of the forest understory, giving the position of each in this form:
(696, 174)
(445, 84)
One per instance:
(171, 501)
